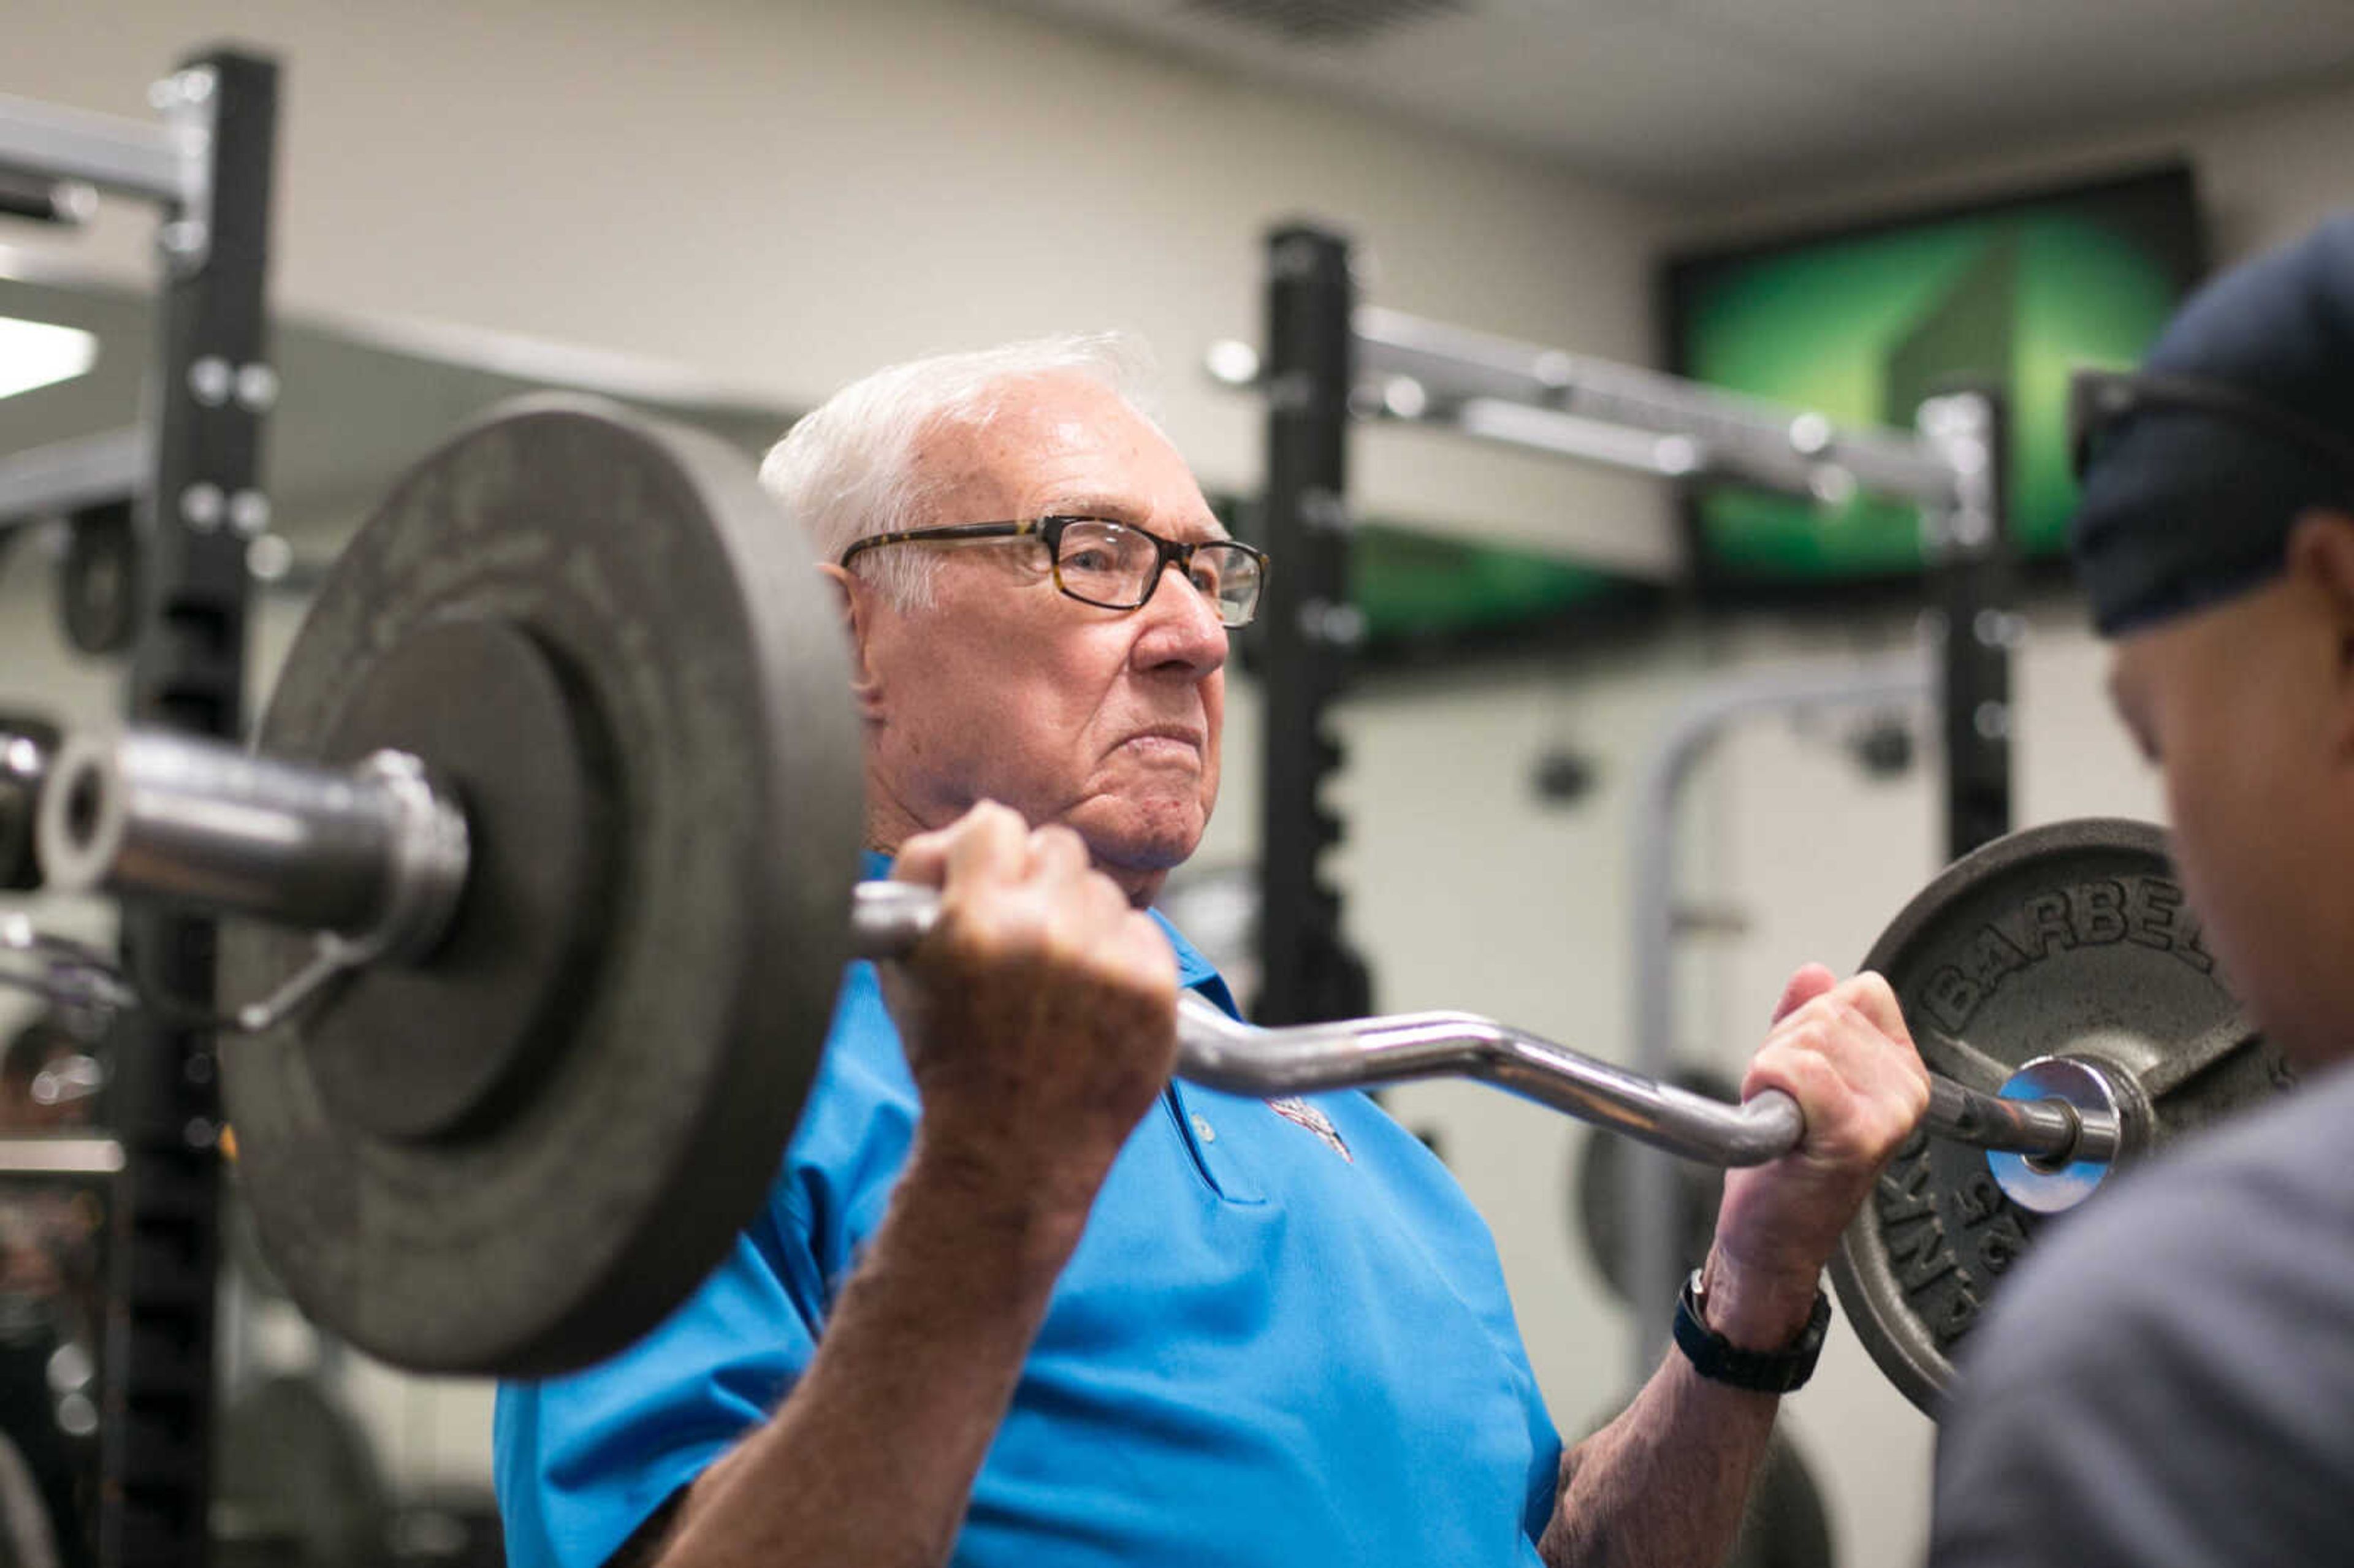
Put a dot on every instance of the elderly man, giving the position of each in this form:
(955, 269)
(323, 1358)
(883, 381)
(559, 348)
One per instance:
(2170, 1378)
(1076, 1312)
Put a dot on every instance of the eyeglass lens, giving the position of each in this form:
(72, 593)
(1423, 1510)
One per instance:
(1108, 564)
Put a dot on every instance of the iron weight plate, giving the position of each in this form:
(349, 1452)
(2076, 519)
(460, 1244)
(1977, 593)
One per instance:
(534, 1219)
(2070, 939)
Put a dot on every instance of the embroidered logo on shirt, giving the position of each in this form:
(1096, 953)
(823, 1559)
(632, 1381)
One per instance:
(1299, 1113)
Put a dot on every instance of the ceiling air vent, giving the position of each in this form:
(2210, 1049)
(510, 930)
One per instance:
(1324, 22)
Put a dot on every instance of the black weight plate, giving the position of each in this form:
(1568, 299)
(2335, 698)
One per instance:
(419, 1053)
(704, 669)
(99, 581)
(2067, 939)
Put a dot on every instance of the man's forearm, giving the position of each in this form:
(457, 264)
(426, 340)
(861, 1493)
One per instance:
(871, 1458)
(1666, 1482)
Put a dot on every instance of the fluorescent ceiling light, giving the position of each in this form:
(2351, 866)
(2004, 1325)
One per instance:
(39, 354)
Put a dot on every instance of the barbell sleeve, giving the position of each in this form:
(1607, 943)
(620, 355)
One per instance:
(370, 851)
(2048, 1131)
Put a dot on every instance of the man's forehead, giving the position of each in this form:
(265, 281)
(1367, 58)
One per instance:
(1070, 446)
(1059, 412)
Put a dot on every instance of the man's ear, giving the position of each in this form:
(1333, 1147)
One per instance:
(858, 611)
(2321, 563)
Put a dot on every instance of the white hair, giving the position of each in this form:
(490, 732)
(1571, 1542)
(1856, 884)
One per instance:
(849, 468)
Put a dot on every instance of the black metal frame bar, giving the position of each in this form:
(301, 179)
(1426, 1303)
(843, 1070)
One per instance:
(1308, 973)
(1970, 574)
(209, 167)
(187, 673)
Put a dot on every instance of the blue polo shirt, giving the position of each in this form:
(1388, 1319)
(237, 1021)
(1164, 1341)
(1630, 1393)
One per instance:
(1284, 1338)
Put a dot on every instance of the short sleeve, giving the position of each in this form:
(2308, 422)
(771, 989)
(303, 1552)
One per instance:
(583, 1460)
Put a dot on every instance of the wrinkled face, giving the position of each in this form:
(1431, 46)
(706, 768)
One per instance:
(2245, 709)
(1004, 689)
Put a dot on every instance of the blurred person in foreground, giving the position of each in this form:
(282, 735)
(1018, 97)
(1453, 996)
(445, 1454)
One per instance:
(2169, 1378)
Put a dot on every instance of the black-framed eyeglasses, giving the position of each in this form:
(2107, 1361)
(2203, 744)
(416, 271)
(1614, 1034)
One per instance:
(1115, 566)
(2101, 400)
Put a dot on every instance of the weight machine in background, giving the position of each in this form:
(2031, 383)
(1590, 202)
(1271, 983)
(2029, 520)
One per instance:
(1330, 361)
(205, 164)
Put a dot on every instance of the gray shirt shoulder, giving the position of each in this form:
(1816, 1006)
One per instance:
(2168, 1379)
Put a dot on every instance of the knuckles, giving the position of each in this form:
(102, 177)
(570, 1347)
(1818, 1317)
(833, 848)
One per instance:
(1874, 988)
(1834, 1056)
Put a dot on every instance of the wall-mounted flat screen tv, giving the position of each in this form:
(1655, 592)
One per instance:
(1862, 322)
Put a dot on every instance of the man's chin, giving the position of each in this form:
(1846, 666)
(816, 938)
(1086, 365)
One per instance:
(1120, 843)
(1154, 854)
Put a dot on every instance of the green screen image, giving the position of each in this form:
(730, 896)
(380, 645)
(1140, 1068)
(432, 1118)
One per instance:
(1414, 587)
(1862, 327)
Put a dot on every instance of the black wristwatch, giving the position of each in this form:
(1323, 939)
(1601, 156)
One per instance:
(1719, 1360)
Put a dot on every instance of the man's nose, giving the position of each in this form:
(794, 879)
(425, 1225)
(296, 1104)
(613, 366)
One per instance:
(1183, 627)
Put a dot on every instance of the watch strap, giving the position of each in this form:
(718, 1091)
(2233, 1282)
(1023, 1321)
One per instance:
(1719, 1360)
